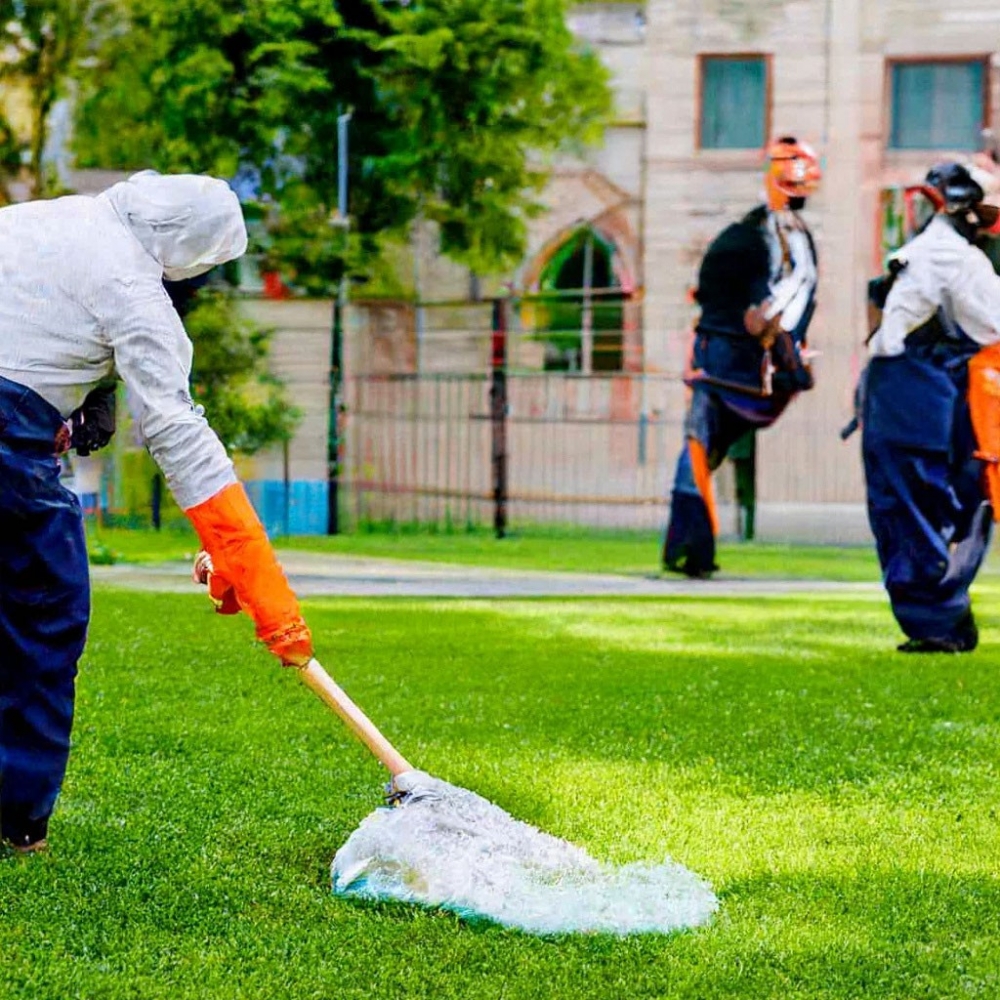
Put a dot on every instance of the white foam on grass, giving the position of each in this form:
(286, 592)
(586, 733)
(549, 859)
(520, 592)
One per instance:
(450, 848)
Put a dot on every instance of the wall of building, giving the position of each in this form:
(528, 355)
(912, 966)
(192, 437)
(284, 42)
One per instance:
(300, 356)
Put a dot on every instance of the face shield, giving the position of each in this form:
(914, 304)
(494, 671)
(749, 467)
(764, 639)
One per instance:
(188, 223)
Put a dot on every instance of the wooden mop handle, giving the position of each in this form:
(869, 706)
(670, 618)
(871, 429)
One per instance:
(315, 677)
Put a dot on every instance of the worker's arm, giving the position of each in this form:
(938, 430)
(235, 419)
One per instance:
(153, 354)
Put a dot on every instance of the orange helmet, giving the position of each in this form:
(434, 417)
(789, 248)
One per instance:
(792, 173)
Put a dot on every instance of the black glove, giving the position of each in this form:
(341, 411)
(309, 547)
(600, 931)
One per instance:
(94, 422)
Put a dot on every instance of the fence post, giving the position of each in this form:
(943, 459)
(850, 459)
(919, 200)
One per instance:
(156, 500)
(286, 494)
(498, 415)
(333, 426)
(343, 222)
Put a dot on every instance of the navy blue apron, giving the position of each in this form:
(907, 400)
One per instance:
(926, 503)
(44, 611)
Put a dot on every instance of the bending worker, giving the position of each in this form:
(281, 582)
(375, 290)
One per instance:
(930, 416)
(757, 292)
(83, 300)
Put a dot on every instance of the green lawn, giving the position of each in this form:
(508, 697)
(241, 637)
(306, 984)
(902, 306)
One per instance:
(843, 800)
(562, 549)
(594, 551)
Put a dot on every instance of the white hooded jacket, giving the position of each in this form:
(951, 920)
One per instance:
(82, 297)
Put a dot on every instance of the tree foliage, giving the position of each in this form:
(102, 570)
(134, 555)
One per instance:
(11, 149)
(477, 94)
(456, 106)
(44, 46)
(200, 85)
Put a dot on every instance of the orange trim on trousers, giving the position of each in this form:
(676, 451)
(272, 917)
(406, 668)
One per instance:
(703, 480)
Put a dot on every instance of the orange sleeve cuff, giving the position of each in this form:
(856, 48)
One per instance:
(233, 536)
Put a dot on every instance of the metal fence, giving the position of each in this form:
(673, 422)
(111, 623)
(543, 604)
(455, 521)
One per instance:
(506, 443)
(429, 448)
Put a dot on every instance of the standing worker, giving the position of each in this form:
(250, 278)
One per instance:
(930, 416)
(757, 292)
(83, 299)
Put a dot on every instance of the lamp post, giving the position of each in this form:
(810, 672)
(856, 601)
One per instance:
(337, 341)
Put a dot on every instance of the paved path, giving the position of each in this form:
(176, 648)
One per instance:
(314, 574)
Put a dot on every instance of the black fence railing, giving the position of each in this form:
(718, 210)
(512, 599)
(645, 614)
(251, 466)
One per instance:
(509, 441)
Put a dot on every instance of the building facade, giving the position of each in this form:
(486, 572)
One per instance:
(883, 89)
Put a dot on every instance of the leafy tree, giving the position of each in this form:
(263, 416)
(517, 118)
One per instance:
(44, 45)
(456, 106)
(200, 85)
(477, 94)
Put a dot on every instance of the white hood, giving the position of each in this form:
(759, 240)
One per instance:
(187, 222)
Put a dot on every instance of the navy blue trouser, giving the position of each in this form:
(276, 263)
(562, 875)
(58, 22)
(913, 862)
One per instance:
(689, 543)
(44, 611)
(717, 420)
(926, 503)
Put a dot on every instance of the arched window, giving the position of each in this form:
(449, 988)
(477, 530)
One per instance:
(579, 311)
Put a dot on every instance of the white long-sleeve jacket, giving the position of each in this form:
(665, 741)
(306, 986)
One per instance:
(942, 269)
(81, 296)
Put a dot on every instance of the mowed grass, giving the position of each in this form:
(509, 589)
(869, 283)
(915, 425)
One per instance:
(557, 549)
(580, 550)
(843, 800)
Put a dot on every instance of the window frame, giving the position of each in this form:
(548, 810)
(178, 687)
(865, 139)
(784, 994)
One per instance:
(983, 59)
(699, 106)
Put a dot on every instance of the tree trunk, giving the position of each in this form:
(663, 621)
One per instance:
(42, 98)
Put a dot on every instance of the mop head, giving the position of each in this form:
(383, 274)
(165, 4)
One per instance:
(446, 847)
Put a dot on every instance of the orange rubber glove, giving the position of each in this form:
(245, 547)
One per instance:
(243, 573)
(220, 591)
